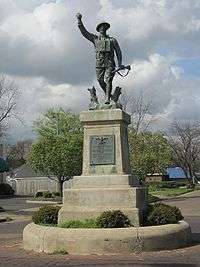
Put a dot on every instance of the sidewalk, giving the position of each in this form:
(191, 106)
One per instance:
(12, 254)
(195, 193)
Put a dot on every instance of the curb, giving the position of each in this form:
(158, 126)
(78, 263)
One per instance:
(106, 241)
(43, 202)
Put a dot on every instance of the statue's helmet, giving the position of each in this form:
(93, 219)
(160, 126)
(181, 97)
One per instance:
(107, 25)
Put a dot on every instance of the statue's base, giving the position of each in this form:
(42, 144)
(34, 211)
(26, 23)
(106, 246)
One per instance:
(102, 106)
(90, 196)
(106, 182)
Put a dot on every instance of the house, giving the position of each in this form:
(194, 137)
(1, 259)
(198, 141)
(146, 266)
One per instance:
(172, 174)
(25, 181)
(156, 177)
(176, 174)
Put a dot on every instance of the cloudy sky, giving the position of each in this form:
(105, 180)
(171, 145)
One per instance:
(53, 65)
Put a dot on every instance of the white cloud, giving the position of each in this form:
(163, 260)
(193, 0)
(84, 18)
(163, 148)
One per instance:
(40, 44)
(44, 42)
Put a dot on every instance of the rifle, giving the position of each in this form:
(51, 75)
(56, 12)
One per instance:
(117, 70)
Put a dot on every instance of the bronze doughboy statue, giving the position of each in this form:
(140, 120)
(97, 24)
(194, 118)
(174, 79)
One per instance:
(106, 47)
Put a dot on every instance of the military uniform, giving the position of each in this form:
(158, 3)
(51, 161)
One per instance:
(106, 47)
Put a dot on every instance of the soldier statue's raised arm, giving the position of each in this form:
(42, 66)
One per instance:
(106, 48)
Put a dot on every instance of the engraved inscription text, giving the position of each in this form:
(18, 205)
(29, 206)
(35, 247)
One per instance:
(102, 150)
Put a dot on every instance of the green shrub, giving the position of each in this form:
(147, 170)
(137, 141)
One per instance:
(87, 223)
(61, 252)
(47, 194)
(46, 215)
(6, 189)
(177, 213)
(108, 219)
(113, 219)
(39, 194)
(159, 214)
(56, 194)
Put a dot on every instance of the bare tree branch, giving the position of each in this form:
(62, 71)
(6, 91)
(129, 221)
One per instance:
(8, 100)
(140, 110)
(184, 139)
(125, 100)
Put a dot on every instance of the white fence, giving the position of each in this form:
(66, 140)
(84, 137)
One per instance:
(29, 186)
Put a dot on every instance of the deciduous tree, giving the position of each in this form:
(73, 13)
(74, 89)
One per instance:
(140, 110)
(58, 151)
(149, 153)
(16, 154)
(9, 93)
(184, 139)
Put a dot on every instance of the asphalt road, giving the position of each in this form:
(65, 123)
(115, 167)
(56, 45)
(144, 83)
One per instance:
(12, 254)
(16, 204)
(190, 208)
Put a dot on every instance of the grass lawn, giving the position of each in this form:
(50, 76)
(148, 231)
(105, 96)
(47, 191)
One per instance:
(169, 192)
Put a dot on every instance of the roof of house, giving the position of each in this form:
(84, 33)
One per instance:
(176, 173)
(25, 171)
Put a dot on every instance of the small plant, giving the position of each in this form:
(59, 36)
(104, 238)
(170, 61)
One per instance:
(46, 215)
(56, 194)
(60, 252)
(87, 223)
(6, 189)
(47, 194)
(39, 194)
(159, 214)
(113, 219)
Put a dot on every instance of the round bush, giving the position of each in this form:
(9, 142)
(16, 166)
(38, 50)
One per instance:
(159, 214)
(46, 215)
(113, 219)
(47, 195)
(6, 189)
(39, 194)
(177, 213)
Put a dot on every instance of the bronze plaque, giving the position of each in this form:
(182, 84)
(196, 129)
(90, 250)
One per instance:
(102, 150)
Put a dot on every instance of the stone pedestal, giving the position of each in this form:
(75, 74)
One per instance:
(106, 182)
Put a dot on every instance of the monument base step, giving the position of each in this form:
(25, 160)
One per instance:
(82, 203)
(80, 213)
(126, 180)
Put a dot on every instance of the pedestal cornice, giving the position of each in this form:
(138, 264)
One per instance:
(98, 116)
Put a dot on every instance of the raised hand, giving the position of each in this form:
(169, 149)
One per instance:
(79, 16)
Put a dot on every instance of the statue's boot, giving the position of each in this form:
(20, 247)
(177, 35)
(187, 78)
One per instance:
(108, 92)
(103, 85)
